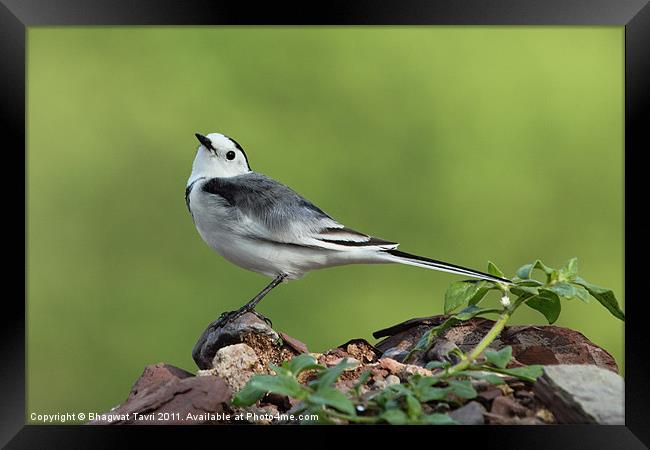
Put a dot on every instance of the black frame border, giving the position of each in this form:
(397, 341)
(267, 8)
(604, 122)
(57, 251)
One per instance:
(17, 15)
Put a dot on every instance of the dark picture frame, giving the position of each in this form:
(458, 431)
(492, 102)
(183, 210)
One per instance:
(634, 15)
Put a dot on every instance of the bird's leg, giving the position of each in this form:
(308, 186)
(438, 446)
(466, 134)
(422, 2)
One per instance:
(248, 307)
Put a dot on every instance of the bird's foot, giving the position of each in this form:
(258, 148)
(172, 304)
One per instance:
(262, 317)
(230, 316)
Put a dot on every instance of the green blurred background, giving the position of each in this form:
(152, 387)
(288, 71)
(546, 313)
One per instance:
(465, 144)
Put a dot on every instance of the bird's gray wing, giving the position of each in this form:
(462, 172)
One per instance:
(268, 210)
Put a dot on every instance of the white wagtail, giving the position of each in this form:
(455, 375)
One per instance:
(262, 225)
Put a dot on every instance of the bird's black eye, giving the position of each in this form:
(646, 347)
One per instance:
(230, 155)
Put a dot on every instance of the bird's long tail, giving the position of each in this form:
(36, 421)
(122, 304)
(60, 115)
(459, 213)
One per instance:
(427, 263)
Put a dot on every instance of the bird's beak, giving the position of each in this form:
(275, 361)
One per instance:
(204, 140)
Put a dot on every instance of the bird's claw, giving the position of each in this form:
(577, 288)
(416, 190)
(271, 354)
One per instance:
(228, 316)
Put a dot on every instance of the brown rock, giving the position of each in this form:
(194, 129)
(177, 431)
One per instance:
(361, 350)
(156, 375)
(293, 343)
(490, 394)
(402, 370)
(507, 407)
(165, 396)
(546, 345)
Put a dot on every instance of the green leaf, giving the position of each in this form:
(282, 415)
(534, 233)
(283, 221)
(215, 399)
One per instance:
(494, 270)
(329, 376)
(437, 364)
(432, 393)
(278, 384)
(413, 407)
(499, 358)
(548, 303)
(438, 419)
(302, 362)
(461, 292)
(395, 417)
(328, 396)
(471, 311)
(525, 271)
(570, 270)
(563, 290)
(462, 388)
(282, 369)
(524, 290)
(424, 390)
(605, 296)
(248, 395)
(582, 293)
(526, 373)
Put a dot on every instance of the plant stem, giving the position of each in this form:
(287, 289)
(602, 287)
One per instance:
(481, 346)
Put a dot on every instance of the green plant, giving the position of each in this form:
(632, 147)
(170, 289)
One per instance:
(543, 296)
(396, 404)
(421, 399)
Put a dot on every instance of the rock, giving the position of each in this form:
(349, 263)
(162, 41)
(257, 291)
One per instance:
(392, 379)
(582, 394)
(507, 407)
(489, 395)
(247, 329)
(403, 371)
(156, 375)
(469, 414)
(293, 343)
(236, 364)
(396, 353)
(544, 345)
(361, 350)
(443, 350)
(166, 395)
(233, 332)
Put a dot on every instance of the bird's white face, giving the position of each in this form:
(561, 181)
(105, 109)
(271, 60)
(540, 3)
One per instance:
(218, 156)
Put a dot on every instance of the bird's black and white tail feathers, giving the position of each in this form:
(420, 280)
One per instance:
(427, 263)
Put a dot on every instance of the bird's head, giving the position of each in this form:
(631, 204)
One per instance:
(218, 156)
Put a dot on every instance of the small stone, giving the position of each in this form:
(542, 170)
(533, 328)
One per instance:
(507, 407)
(390, 365)
(490, 395)
(402, 370)
(236, 364)
(392, 379)
(505, 389)
(545, 415)
(469, 414)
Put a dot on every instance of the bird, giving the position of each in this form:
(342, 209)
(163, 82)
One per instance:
(264, 226)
